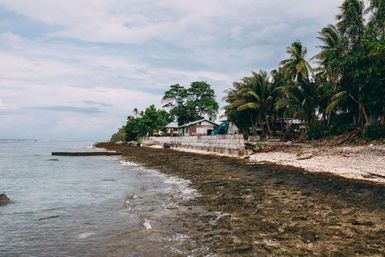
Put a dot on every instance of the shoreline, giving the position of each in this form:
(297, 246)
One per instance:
(249, 209)
(365, 163)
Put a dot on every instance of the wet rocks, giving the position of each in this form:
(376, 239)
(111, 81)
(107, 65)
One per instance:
(222, 221)
(366, 223)
(4, 199)
(166, 146)
(240, 249)
(272, 211)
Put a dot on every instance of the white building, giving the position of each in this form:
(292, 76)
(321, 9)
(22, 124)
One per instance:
(202, 127)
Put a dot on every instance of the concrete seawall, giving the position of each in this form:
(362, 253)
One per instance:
(221, 144)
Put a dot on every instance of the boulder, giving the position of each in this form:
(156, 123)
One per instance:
(4, 199)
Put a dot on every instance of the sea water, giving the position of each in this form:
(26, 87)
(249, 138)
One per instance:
(83, 206)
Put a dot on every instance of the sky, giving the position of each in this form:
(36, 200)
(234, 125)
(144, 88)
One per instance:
(75, 69)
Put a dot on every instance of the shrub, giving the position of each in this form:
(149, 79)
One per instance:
(375, 131)
(337, 130)
(315, 131)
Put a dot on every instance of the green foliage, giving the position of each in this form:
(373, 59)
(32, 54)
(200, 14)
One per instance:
(343, 93)
(252, 94)
(316, 131)
(119, 136)
(190, 104)
(341, 124)
(296, 67)
(350, 79)
(148, 122)
(375, 131)
(260, 145)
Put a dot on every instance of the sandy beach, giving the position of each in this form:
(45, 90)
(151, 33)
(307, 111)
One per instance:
(356, 162)
(251, 209)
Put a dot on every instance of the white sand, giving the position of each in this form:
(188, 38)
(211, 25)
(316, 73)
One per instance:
(358, 162)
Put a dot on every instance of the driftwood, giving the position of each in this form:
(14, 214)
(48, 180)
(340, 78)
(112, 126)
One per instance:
(305, 157)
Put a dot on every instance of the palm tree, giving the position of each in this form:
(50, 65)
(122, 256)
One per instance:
(299, 100)
(351, 26)
(296, 67)
(299, 94)
(253, 93)
(136, 111)
(351, 20)
(332, 50)
(377, 19)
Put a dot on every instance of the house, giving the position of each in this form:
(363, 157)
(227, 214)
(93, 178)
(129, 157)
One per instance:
(226, 128)
(172, 129)
(296, 125)
(201, 127)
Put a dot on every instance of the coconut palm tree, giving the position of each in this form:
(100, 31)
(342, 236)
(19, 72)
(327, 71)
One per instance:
(332, 50)
(351, 20)
(351, 26)
(296, 67)
(377, 18)
(299, 94)
(254, 93)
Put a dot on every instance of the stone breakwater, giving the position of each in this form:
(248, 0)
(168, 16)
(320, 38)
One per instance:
(233, 145)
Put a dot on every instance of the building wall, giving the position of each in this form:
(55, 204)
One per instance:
(196, 129)
(223, 144)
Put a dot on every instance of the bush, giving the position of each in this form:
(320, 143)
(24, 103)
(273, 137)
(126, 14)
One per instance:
(315, 131)
(375, 131)
(337, 130)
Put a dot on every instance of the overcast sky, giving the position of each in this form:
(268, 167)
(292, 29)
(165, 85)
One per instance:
(74, 69)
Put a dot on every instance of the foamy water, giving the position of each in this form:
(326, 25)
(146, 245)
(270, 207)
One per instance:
(85, 206)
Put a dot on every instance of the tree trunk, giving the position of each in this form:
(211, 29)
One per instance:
(365, 115)
(253, 125)
(362, 112)
(268, 125)
(329, 119)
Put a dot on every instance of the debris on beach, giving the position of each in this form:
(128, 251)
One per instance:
(147, 225)
(305, 157)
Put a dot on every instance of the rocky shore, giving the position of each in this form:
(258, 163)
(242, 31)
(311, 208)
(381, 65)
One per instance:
(250, 209)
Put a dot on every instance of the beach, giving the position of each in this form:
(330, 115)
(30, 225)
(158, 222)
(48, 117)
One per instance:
(366, 162)
(243, 208)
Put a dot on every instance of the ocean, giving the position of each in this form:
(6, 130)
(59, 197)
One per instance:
(86, 206)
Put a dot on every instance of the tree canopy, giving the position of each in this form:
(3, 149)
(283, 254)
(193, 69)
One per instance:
(192, 103)
(146, 123)
(348, 80)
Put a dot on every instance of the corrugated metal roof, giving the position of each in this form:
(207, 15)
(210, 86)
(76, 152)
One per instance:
(197, 121)
(172, 125)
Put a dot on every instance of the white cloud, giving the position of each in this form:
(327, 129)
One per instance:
(37, 80)
(125, 53)
(138, 21)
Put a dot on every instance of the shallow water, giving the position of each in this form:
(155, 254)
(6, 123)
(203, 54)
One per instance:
(85, 206)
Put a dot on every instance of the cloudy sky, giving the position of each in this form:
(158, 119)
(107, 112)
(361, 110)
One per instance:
(75, 69)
